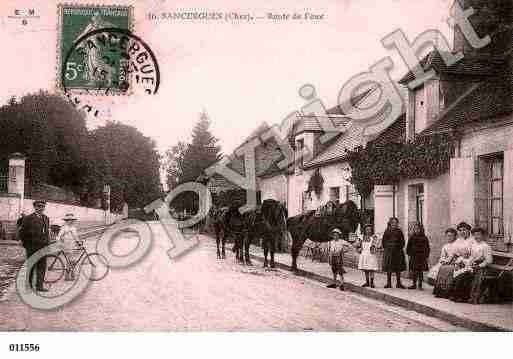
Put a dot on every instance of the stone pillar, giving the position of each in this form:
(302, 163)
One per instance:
(125, 210)
(16, 182)
(106, 202)
(462, 190)
(384, 207)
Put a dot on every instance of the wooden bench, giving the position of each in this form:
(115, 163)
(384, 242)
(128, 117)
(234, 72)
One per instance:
(496, 273)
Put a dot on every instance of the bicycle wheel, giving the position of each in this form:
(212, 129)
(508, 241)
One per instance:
(98, 264)
(55, 268)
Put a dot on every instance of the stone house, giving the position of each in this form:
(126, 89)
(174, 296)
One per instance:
(472, 101)
(327, 160)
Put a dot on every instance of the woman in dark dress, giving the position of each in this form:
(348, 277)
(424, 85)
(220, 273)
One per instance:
(393, 255)
(418, 251)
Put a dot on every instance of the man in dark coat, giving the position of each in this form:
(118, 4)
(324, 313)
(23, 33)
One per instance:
(34, 236)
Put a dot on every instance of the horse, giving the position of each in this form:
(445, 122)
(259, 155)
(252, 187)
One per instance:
(269, 222)
(234, 225)
(216, 216)
(317, 225)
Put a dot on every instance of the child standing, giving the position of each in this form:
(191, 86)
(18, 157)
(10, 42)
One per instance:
(418, 251)
(68, 236)
(368, 261)
(338, 247)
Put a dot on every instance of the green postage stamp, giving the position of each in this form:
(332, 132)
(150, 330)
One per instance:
(85, 66)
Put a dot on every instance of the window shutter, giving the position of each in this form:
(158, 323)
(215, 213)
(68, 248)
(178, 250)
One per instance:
(508, 191)
(481, 193)
(462, 180)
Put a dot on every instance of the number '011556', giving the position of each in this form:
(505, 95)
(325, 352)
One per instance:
(24, 347)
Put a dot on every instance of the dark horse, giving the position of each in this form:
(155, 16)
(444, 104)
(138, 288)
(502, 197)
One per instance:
(234, 226)
(317, 225)
(269, 222)
(216, 218)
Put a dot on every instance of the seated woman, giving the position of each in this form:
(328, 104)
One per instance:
(465, 240)
(468, 283)
(442, 272)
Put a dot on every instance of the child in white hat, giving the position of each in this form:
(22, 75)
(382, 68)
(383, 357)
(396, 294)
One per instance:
(338, 247)
(68, 236)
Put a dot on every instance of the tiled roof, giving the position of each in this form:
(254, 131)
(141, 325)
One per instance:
(480, 101)
(273, 170)
(347, 140)
(396, 132)
(218, 183)
(313, 123)
(475, 66)
(337, 151)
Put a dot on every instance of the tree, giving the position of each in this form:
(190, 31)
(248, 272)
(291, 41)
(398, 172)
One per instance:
(62, 152)
(173, 164)
(128, 161)
(50, 132)
(185, 162)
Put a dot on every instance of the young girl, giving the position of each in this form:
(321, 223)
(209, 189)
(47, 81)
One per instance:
(368, 261)
(338, 247)
(68, 236)
(418, 251)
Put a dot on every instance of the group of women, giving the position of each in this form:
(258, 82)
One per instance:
(460, 271)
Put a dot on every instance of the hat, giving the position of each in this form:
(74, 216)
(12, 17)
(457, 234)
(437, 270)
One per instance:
(368, 225)
(38, 202)
(336, 230)
(463, 225)
(478, 229)
(69, 217)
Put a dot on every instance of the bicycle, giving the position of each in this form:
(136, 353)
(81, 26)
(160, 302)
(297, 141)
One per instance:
(56, 267)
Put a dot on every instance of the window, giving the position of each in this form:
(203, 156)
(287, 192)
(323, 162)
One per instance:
(368, 202)
(300, 145)
(335, 194)
(353, 195)
(496, 195)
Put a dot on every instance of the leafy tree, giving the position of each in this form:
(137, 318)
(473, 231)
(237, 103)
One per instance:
(50, 132)
(128, 161)
(185, 162)
(62, 152)
(174, 164)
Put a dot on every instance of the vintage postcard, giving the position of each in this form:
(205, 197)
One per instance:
(300, 166)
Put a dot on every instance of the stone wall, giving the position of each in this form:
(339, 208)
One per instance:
(10, 212)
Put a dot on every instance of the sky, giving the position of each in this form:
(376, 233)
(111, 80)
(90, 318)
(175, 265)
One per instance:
(241, 73)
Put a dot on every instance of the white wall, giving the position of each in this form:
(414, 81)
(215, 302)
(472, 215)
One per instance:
(9, 211)
(273, 187)
(333, 177)
(486, 139)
